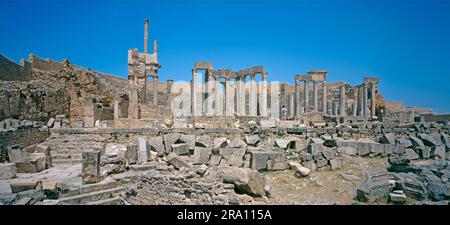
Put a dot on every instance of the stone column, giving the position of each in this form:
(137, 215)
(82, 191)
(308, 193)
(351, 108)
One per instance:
(209, 87)
(335, 108)
(155, 89)
(275, 100)
(252, 98)
(238, 95)
(316, 96)
(263, 102)
(116, 112)
(373, 99)
(145, 85)
(365, 100)
(354, 108)
(291, 105)
(229, 98)
(342, 100)
(297, 99)
(217, 97)
(306, 92)
(169, 93)
(243, 103)
(194, 94)
(324, 97)
(360, 100)
(90, 167)
(146, 36)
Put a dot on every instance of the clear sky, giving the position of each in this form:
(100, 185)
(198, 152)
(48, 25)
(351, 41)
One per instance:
(405, 43)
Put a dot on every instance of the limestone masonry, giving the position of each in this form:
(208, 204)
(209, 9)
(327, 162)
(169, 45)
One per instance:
(72, 135)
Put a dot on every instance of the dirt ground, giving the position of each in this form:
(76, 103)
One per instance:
(322, 187)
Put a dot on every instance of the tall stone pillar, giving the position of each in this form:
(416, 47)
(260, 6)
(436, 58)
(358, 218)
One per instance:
(243, 103)
(146, 36)
(229, 98)
(155, 90)
(263, 94)
(342, 101)
(297, 99)
(145, 86)
(275, 100)
(291, 105)
(306, 95)
(335, 108)
(252, 98)
(194, 94)
(324, 97)
(217, 97)
(316, 96)
(373, 100)
(354, 108)
(365, 100)
(116, 112)
(209, 87)
(169, 93)
(360, 100)
(238, 96)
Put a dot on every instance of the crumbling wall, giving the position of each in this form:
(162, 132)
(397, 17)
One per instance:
(24, 135)
(401, 117)
(33, 100)
(436, 117)
(393, 106)
(12, 71)
(103, 113)
(155, 112)
(45, 64)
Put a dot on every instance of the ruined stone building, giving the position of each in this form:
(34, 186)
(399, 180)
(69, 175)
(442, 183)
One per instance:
(98, 136)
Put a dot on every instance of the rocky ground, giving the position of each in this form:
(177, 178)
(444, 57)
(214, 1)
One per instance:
(322, 187)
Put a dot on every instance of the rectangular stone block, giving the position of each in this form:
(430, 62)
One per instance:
(202, 155)
(7, 171)
(41, 148)
(180, 149)
(142, 150)
(15, 154)
(22, 185)
(131, 154)
(259, 158)
(177, 161)
(156, 144)
(347, 150)
(90, 172)
(170, 139)
(234, 156)
(5, 188)
(34, 163)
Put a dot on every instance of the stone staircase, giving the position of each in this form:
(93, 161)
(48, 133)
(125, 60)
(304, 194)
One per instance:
(104, 193)
(67, 149)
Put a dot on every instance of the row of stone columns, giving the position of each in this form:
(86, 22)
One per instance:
(298, 110)
(214, 82)
(363, 99)
(253, 101)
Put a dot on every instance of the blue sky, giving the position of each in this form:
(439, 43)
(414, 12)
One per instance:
(405, 43)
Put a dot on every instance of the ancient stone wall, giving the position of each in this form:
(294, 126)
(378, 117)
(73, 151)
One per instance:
(393, 106)
(401, 117)
(45, 64)
(11, 71)
(33, 100)
(24, 135)
(103, 113)
(436, 117)
(155, 112)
